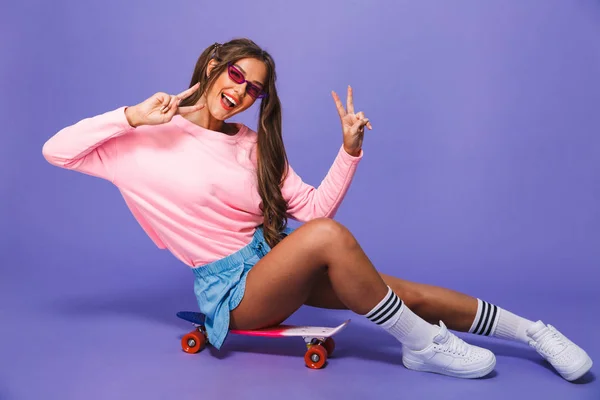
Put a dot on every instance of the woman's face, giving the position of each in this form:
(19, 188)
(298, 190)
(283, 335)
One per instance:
(228, 97)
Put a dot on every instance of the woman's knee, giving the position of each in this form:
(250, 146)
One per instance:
(330, 235)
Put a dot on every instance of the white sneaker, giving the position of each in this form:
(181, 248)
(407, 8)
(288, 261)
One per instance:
(570, 360)
(450, 355)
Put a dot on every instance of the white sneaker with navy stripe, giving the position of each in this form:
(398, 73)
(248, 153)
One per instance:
(569, 360)
(450, 355)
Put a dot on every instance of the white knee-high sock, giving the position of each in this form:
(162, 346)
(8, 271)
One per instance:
(397, 319)
(492, 320)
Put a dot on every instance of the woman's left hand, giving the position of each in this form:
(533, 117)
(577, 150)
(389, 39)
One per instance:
(353, 125)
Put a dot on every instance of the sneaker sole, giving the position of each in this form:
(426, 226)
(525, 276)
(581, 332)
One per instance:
(469, 374)
(581, 371)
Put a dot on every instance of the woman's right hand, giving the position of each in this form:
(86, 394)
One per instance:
(160, 108)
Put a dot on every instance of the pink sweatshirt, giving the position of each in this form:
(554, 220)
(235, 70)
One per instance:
(191, 189)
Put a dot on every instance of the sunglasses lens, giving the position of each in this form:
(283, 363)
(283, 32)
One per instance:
(253, 90)
(236, 75)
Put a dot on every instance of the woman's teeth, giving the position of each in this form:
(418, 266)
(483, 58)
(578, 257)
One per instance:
(229, 101)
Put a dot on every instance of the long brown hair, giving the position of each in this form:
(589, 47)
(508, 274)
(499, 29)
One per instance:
(272, 157)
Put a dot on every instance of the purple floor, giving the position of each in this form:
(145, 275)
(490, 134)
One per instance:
(109, 333)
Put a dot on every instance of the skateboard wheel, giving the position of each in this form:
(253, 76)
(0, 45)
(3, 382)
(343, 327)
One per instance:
(193, 342)
(329, 345)
(315, 357)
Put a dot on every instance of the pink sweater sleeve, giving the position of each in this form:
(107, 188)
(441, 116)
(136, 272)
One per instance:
(306, 202)
(87, 147)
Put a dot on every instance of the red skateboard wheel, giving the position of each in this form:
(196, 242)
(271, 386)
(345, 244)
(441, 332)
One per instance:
(193, 342)
(329, 345)
(315, 357)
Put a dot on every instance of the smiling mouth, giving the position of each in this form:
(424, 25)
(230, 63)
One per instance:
(227, 101)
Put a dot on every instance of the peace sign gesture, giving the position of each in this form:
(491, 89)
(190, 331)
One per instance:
(160, 108)
(353, 125)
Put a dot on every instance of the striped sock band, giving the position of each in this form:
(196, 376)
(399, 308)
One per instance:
(383, 313)
(398, 320)
(486, 320)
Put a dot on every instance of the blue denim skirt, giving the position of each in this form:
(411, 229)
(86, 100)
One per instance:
(220, 285)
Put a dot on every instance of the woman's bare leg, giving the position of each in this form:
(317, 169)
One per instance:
(432, 303)
(283, 280)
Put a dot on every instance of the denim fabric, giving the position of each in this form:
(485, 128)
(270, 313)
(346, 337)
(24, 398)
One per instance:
(220, 285)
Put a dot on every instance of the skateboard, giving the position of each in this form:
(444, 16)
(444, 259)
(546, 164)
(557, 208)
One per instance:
(319, 340)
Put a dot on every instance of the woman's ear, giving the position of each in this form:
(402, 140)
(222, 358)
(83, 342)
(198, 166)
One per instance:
(209, 67)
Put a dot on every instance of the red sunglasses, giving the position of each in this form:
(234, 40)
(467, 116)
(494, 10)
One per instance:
(238, 77)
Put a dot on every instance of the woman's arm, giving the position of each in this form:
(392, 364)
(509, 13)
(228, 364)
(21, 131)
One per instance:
(87, 145)
(305, 202)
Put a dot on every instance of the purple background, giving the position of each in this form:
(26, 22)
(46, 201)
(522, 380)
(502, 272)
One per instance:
(481, 174)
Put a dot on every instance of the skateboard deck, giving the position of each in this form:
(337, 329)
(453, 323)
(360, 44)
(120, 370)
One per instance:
(318, 339)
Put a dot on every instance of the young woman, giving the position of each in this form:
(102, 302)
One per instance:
(218, 196)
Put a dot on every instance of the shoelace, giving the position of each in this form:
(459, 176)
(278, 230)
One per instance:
(550, 342)
(455, 345)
